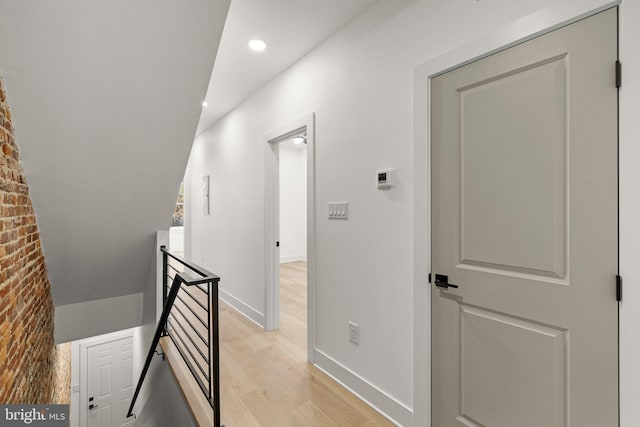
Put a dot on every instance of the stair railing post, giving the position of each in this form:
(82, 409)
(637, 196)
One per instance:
(165, 280)
(215, 365)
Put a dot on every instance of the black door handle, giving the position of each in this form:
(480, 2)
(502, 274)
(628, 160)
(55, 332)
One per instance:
(442, 281)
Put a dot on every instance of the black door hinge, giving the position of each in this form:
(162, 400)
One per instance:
(618, 74)
(277, 244)
(618, 287)
(429, 277)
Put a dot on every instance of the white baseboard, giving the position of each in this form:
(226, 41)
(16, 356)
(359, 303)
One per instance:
(249, 312)
(395, 411)
(293, 258)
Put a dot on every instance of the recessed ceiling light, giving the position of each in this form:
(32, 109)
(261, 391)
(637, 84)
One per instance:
(257, 45)
(298, 139)
(205, 103)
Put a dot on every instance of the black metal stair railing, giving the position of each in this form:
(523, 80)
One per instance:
(190, 318)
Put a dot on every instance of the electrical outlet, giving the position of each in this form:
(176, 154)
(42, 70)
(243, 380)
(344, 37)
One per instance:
(354, 333)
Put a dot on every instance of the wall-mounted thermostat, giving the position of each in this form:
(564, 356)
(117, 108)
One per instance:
(386, 178)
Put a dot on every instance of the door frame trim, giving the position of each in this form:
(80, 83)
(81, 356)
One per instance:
(84, 359)
(272, 226)
(519, 31)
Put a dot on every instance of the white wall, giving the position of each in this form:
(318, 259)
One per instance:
(164, 404)
(359, 84)
(293, 201)
(176, 239)
(98, 317)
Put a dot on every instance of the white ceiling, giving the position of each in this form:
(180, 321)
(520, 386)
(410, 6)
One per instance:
(291, 28)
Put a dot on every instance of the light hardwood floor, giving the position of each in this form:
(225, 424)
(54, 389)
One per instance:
(265, 379)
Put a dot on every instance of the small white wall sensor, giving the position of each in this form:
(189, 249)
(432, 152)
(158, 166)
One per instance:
(385, 179)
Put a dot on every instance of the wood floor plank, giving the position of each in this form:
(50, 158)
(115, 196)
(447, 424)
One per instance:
(266, 380)
(242, 415)
(309, 414)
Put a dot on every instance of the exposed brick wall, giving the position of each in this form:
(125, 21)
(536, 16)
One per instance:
(61, 390)
(27, 350)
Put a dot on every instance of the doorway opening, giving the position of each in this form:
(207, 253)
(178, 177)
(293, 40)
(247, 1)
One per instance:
(176, 231)
(292, 191)
(289, 221)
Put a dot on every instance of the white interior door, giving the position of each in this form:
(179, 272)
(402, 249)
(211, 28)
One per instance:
(524, 223)
(109, 383)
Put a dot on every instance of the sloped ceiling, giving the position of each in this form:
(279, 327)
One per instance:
(291, 29)
(106, 98)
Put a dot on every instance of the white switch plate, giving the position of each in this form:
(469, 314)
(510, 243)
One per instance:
(338, 210)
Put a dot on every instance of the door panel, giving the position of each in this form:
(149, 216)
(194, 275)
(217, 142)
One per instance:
(490, 342)
(524, 220)
(505, 197)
